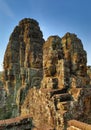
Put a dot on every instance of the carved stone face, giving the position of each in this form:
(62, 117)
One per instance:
(49, 69)
(46, 72)
(79, 63)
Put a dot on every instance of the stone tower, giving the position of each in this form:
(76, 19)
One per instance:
(22, 63)
(64, 62)
(23, 56)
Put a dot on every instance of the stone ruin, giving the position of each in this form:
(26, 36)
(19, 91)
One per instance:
(23, 61)
(23, 56)
(50, 81)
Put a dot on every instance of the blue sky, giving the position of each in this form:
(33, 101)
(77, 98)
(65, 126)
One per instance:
(55, 17)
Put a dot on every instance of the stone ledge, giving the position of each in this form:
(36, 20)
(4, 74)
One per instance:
(79, 125)
(18, 122)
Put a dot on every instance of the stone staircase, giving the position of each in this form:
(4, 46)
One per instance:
(62, 99)
(61, 94)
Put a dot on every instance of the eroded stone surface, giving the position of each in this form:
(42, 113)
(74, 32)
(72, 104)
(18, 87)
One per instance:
(23, 56)
(65, 79)
(89, 72)
(49, 81)
(23, 62)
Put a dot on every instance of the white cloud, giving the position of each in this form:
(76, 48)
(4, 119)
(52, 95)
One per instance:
(5, 8)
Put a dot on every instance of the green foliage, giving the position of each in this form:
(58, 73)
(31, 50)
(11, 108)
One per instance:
(8, 115)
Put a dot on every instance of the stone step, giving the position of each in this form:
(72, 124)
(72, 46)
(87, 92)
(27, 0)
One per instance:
(58, 91)
(63, 97)
(79, 125)
(62, 107)
(65, 105)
